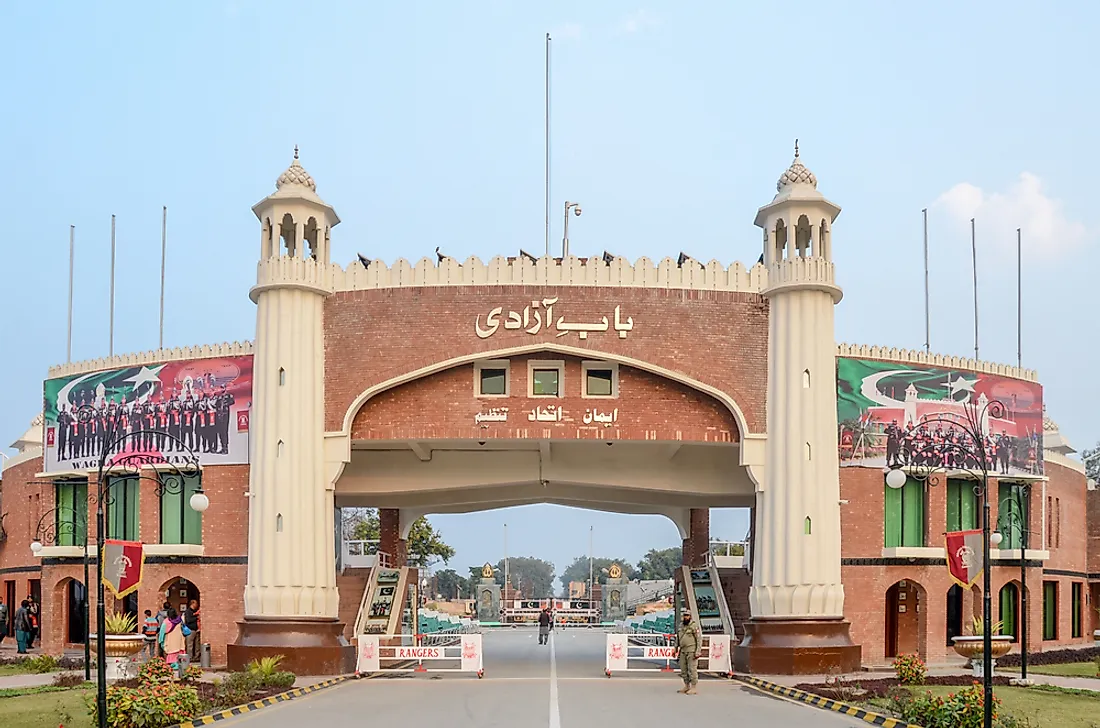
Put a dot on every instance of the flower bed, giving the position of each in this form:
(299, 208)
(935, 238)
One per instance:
(845, 691)
(1051, 657)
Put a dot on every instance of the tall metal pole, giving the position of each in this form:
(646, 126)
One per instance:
(87, 596)
(505, 566)
(69, 339)
(591, 584)
(1025, 508)
(163, 257)
(927, 331)
(100, 613)
(548, 144)
(1019, 300)
(974, 257)
(987, 602)
(111, 336)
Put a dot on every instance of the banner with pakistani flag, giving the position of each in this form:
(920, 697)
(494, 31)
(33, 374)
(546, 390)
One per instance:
(123, 566)
(893, 414)
(167, 412)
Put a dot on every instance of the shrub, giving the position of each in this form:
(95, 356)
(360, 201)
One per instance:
(150, 706)
(280, 680)
(155, 671)
(964, 709)
(235, 689)
(41, 664)
(68, 680)
(910, 670)
(192, 673)
(265, 666)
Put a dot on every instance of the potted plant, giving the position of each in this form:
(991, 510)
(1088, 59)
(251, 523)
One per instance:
(972, 646)
(1096, 632)
(122, 644)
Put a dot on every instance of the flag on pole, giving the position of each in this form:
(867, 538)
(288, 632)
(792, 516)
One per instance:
(123, 566)
(964, 557)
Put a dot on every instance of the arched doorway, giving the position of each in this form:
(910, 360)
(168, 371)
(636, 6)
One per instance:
(179, 592)
(1010, 609)
(905, 619)
(72, 596)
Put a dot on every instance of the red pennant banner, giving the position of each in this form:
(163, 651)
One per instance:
(123, 566)
(964, 557)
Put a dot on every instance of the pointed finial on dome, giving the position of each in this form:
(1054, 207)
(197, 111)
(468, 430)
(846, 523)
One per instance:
(795, 149)
(296, 175)
(796, 174)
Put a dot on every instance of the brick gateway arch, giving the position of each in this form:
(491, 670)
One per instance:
(713, 386)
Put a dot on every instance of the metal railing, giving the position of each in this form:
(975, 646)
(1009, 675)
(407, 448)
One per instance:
(724, 554)
(360, 554)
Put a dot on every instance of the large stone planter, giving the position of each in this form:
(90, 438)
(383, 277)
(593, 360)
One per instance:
(121, 651)
(972, 647)
(1096, 635)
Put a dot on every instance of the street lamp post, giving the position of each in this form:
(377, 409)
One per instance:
(971, 455)
(576, 208)
(1008, 519)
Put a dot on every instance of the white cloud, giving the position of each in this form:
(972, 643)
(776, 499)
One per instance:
(638, 21)
(1042, 219)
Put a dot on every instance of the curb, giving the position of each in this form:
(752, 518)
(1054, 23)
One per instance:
(824, 703)
(262, 703)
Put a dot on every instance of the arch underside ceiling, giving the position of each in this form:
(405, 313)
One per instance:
(463, 477)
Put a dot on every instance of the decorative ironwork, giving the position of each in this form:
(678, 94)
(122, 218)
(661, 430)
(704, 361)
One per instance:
(3, 532)
(51, 529)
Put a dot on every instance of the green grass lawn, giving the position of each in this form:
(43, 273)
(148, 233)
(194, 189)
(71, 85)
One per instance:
(6, 670)
(1043, 708)
(1069, 669)
(46, 710)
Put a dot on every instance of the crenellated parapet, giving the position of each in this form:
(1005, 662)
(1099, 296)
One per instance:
(572, 271)
(293, 272)
(157, 356)
(943, 361)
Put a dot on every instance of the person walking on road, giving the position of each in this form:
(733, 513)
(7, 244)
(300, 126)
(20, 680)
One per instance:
(544, 626)
(689, 642)
(3, 621)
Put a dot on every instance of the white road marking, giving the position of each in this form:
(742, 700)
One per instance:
(555, 712)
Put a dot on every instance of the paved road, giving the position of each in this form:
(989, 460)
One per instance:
(526, 685)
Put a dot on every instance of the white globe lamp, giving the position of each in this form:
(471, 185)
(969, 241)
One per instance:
(995, 539)
(199, 502)
(36, 548)
(896, 479)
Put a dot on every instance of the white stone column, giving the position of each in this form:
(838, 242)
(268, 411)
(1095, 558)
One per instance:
(291, 564)
(797, 574)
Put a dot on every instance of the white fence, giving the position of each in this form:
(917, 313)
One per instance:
(437, 653)
(656, 652)
(723, 554)
(360, 555)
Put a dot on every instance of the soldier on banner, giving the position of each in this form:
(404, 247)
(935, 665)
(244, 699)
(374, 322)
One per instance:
(174, 421)
(63, 419)
(162, 422)
(150, 423)
(137, 425)
(226, 401)
(187, 410)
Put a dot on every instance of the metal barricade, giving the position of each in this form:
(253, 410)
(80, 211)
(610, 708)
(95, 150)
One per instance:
(434, 653)
(656, 653)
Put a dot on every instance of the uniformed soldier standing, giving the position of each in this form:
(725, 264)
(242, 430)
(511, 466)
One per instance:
(689, 641)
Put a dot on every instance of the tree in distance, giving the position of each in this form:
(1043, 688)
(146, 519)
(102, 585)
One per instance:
(660, 563)
(425, 543)
(578, 570)
(533, 577)
(452, 585)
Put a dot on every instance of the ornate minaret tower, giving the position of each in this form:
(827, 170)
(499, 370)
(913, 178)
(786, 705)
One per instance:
(290, 599)
(797, 599)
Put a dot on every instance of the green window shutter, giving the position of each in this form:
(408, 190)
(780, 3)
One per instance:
(170, 518)
(132, 511)
(1008, 610)
(968, 512)
(913, 514)
(892, 518)
(1075, 616)
(63, 520)
(1050, 610)
(192, 519)
(954, 506)
(80, 513)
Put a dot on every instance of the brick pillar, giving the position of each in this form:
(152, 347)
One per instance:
(390, 536)
(696, 545)
(936, 515)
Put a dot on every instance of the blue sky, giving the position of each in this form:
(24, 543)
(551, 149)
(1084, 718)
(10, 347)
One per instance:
(423, 125)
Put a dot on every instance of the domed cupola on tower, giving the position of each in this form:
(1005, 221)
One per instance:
(798, 221)
(295, 221)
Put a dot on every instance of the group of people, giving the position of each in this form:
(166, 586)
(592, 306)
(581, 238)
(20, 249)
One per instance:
(950, 447)
(24, 622)
(174, 636)
(197, 418)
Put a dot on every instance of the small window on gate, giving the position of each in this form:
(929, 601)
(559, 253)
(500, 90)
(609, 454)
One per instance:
(600, 379)
(491, 378)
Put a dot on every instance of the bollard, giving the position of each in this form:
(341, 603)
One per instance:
(204, 656)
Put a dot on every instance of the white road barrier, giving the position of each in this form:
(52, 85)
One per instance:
(656, 652)
(420, 653)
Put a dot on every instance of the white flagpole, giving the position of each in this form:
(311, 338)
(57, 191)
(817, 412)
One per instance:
(548, 144)
(927, 330)
(111, 335)
(163, 256)
(974, 258)
(1019, 300)
(69, 338)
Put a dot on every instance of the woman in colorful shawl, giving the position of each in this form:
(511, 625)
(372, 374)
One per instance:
(171, 638)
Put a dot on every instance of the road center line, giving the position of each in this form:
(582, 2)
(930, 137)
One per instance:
(555, 713)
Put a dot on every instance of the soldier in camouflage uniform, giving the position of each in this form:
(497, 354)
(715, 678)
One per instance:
(689, 642)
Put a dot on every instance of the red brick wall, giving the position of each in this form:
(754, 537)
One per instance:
(225, 537)
(716, 337)
(1093, 533)
(866, 584)
(443, 405)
